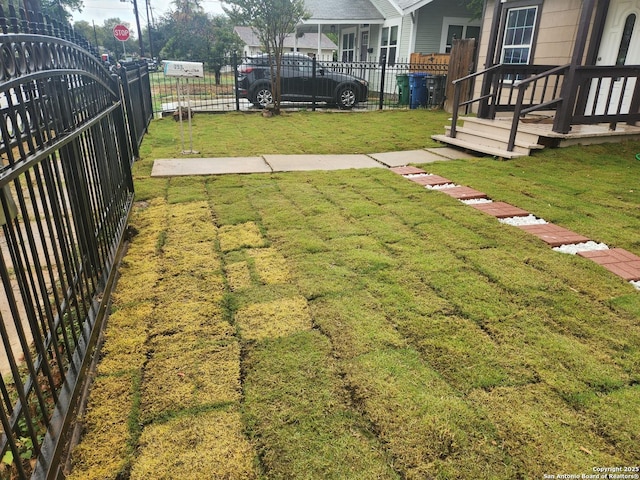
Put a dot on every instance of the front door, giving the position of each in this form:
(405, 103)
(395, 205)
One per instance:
(364, 45)
(620, 45)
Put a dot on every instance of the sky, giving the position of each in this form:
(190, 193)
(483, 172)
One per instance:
(97, 11)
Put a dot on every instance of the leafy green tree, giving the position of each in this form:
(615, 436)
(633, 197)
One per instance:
(475, 7)
(226, 43)
(61, 10)
(188, 31)
(272, 20)
(190, 37)
(85, 29)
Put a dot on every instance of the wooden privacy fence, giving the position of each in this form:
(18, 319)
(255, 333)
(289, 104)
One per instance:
(461, 64)
(433, 63)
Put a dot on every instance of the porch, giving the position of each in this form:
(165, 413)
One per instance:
(534, 132)
(522, 108)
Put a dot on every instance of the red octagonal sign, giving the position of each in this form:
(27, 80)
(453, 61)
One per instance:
(121, 32)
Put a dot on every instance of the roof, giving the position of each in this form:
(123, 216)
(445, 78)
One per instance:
(408, 6)
(308, 40)
(355, 11)
(341, 11)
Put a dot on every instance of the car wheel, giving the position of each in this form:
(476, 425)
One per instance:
(263, 96)
(347, 97)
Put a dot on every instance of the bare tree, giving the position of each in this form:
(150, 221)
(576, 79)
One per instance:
(272, 20)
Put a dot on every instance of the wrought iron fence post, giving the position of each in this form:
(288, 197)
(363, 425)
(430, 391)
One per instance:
(384, 71)
(234, 60)
(126, 92)
(314, 63)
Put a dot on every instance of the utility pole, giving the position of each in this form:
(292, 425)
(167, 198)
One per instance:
(149, 28)
(135, 12)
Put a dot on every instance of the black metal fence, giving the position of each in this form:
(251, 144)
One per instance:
(402, 84)
(66, 191)
(136, 92)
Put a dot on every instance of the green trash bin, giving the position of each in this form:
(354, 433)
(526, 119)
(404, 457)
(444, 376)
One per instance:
(403, 89)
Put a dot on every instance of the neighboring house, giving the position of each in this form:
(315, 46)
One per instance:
(303, 42)
(570, 63)
(370, 29)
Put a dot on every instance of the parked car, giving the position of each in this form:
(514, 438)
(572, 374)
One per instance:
(152, 65)
(298, 84)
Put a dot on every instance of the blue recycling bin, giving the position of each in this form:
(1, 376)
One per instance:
(418, 90)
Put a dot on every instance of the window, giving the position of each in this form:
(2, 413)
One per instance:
(389, 44)
(627, 33)
(348, 47)
(454, 28)
(518, 35)
(453, 32)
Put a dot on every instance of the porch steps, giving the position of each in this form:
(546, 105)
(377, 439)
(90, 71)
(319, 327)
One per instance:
(490, 138)
(475, 147)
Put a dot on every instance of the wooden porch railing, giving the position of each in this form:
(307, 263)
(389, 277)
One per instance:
(599, 94)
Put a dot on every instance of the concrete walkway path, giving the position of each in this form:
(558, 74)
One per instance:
(170, 167)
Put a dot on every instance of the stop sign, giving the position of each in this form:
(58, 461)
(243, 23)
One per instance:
(121, 32)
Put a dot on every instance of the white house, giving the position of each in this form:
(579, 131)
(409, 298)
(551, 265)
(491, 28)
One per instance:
(370, 29)
(303, 42)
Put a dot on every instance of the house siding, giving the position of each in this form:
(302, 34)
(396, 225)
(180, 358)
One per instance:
(556, 35)
(430, 18)
(558, 28)
(406, 34)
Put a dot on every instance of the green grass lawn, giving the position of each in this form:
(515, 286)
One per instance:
(354, 325)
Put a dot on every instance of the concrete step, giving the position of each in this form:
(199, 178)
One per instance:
(475, 147)
(503, 126)
(496, 139)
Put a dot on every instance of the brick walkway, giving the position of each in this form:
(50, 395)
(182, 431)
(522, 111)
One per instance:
(617, 260)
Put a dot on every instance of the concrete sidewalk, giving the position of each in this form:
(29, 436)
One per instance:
(170, 167)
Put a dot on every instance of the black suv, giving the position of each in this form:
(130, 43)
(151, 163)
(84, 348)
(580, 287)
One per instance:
(298, 82)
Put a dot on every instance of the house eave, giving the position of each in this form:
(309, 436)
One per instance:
(412, 8)
(335, 21)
